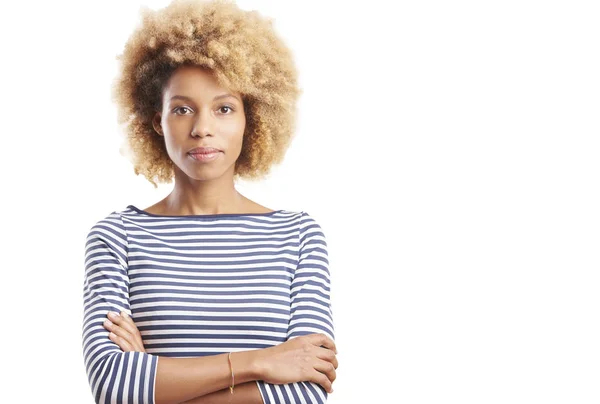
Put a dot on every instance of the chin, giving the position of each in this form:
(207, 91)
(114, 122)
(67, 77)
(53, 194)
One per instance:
(203, 176)
(204, 173)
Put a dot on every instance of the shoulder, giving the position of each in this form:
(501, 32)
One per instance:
(308, 221)
(302, 219)
(107, 239)
(108, 225)
(310, 230)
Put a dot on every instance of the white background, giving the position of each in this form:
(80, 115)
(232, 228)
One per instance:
(449, 150)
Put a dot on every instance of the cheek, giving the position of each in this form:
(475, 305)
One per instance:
(235, 133)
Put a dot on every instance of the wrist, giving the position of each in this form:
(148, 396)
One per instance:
(246, 366)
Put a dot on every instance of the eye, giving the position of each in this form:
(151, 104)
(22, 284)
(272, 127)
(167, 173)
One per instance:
(181, 108)
(227, 108)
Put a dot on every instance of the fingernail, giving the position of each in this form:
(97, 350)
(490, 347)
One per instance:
(113, 315)
(123, 314)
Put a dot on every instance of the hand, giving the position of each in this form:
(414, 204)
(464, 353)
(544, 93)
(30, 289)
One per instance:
(124, 333)
(300, 359)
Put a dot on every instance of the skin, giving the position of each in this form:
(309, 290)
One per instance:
(209, 115)
(197, 111)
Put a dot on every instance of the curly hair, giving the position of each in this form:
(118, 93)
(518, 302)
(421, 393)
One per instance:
(244, 53)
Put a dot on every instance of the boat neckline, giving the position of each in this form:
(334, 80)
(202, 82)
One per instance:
(143, 212)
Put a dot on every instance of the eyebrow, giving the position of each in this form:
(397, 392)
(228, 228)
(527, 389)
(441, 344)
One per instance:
(218, 97)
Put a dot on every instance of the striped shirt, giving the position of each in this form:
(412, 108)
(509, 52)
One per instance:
(201, 285)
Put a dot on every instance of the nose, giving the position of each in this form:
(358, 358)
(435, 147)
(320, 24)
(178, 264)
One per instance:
(203, 125)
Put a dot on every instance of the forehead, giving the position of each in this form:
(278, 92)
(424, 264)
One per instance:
(193, 80)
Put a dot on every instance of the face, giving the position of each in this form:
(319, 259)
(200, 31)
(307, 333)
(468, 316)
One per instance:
(198, 113)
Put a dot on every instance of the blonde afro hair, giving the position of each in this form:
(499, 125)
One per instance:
(245, 55)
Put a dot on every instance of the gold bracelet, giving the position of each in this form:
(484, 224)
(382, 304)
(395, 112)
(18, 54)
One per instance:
(231, 367)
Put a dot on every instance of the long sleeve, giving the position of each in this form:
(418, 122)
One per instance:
(114, 376)
(310, 311)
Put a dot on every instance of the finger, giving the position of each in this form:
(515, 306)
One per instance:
(326, 368)
(121, 342)
(135, 341)
(327, 355)
(129, 325)
(119, 331)
(320, 378)
(126, 317)
(124, 322)
(138, 343)
(320, 339)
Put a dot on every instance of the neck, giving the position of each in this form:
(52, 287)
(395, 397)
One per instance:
(203, 197)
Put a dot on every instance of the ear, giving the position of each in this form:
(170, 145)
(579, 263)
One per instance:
(156, 124)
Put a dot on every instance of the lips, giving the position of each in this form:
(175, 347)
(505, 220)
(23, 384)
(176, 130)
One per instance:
(204, 150)
(204, 154)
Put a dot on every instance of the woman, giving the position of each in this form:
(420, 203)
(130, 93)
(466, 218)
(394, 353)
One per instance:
(217, 298)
